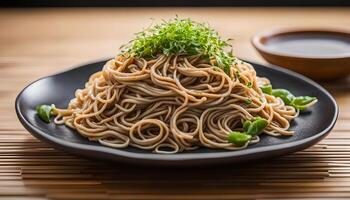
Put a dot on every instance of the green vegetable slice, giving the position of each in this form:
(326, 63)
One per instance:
(284, 94)
(256, 127)
(302, 102)
(238, 139)
(267, 89)
(246, 125)
(44, 112)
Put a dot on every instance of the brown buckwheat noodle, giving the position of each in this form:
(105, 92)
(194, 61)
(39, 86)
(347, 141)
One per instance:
(172, 103)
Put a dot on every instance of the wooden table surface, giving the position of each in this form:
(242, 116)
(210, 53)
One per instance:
(39, 42)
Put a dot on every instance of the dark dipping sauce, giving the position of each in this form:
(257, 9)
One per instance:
(309, 44)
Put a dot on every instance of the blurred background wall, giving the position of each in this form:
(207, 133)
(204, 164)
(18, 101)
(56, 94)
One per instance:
(135, 3)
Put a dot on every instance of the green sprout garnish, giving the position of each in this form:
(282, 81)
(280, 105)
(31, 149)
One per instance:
(182, 36)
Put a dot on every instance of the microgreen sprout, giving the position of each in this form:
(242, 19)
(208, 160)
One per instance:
(182, 36)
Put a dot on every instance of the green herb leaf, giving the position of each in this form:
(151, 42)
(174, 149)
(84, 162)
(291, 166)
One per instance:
(267, 89)
(182, 36)
(284, 94)
(302, 102)
(238, 74)
(248, 101)
(256, 127)
(44, 112)
(237, 138)
(249, 84)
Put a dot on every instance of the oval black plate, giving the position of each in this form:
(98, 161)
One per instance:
(310, 126)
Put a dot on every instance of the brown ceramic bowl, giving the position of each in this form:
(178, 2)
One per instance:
(319, 54)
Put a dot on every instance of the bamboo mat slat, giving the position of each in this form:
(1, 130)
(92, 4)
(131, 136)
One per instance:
(40, 42)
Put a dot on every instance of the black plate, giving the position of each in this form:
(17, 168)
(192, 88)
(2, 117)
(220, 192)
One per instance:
(310, 127)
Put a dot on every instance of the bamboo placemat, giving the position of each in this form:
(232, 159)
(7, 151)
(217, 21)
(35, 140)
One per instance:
(39, 42)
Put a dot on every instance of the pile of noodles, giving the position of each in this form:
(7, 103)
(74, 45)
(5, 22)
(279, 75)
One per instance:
(172, 103)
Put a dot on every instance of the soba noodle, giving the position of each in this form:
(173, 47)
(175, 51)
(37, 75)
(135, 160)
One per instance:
(172, 103)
